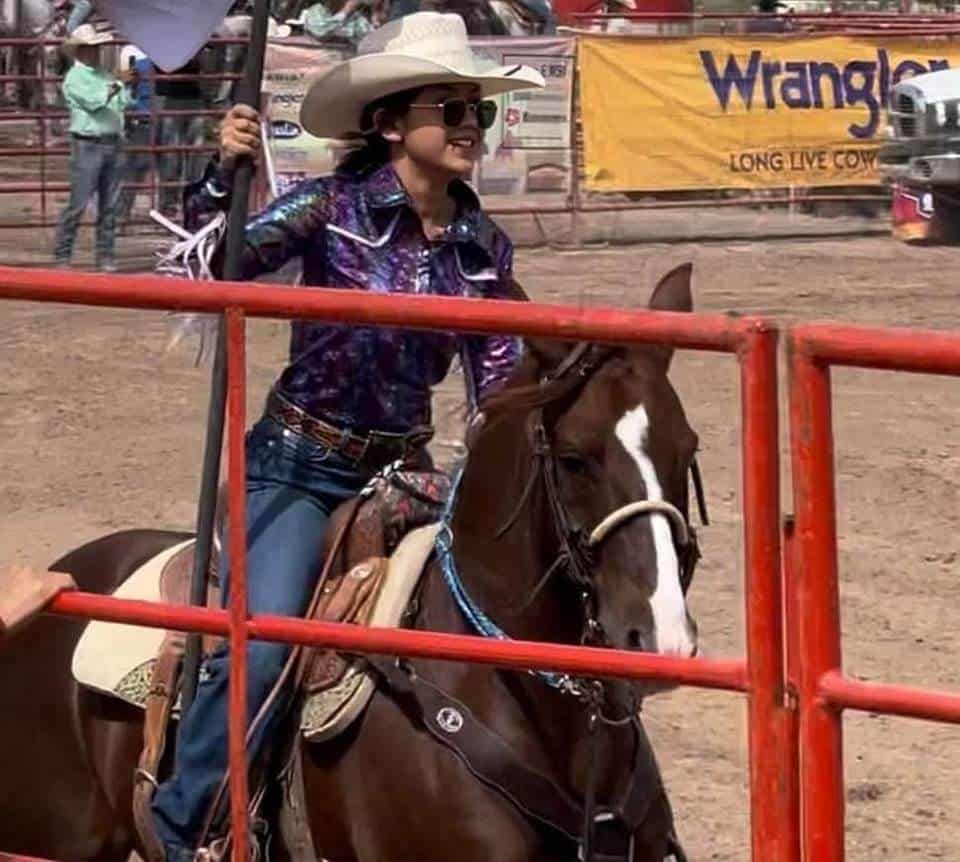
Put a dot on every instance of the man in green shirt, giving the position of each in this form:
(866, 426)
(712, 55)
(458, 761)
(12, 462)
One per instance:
(96, 100)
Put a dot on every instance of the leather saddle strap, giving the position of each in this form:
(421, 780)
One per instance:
(492, 761)
(159, 706)
(640, 795)
(488, 757)
(335, 548)
(293, 819)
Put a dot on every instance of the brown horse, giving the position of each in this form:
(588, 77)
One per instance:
(578, 438)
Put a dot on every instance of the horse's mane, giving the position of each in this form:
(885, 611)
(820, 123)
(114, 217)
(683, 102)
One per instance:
(520, 395)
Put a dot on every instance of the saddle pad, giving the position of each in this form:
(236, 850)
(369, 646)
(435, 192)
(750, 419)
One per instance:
(329, 712)
(117, 659)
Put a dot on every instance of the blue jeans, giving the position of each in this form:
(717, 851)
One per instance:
(179, 131)
(82, 10)
(94, 170)
(399, 8)
(136, 166)
(293, 485)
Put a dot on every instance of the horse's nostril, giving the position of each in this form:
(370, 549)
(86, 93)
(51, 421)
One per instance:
(634, 640)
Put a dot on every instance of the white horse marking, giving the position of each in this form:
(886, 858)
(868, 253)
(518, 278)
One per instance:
(673, 630)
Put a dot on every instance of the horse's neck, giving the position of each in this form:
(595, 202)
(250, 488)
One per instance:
(548, 727)
(502, 572)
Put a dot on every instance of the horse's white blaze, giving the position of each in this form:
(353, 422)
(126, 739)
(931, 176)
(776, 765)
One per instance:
(672, 627)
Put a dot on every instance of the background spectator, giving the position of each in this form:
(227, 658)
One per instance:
(80, 14)
(177, 131)
(96, 100)
(139, 129)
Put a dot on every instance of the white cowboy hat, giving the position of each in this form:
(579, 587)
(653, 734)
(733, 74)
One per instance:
(240, 26)
(87, 34)
(416, 50)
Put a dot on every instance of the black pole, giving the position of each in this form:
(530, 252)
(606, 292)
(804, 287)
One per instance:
(247, 94)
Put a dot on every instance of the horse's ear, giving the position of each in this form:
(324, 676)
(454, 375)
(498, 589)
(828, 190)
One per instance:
(673, 292)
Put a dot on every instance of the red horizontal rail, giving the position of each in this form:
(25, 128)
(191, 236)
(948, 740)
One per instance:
(766, 16)
(842, 692)
(198, 76)
(697, 331)
(796, 32)
(926, 351)
(47, 42)
(65, 151)
(725, 674)
(14, 188)
(23, 116)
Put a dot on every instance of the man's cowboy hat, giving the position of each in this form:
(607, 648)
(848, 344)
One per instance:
(87, 34)
(414, 51)
(240, 27)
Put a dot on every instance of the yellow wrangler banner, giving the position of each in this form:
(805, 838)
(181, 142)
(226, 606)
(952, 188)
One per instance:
(742, 112)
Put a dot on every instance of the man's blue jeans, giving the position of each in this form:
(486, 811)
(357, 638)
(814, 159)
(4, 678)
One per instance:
(81, 11)
(399, 8)
(293, 485)
(94, 170)
(179, 130)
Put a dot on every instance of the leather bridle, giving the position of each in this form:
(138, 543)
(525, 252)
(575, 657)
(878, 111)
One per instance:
(576, 558)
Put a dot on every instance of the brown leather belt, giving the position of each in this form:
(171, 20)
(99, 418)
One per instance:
(376, 448)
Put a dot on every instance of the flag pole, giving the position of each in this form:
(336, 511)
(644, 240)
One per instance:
(248, 93)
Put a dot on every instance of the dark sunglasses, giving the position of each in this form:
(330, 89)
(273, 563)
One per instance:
(455, 111)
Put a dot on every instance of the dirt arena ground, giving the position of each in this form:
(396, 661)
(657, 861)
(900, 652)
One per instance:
(101, 430)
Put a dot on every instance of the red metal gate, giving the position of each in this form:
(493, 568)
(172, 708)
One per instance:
(813, 578)
(760, 676)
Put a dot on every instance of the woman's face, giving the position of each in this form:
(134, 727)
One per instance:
(435, 146)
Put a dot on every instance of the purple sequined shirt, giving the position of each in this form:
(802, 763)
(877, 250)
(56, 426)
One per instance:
(361, 233)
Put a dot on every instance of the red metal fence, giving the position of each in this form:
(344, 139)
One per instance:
(791, 676)
(753, 342)
(813, 589)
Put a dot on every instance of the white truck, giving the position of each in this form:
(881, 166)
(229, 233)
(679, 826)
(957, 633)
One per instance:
(924, 132)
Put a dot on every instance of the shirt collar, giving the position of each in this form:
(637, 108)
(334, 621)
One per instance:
(383, 190)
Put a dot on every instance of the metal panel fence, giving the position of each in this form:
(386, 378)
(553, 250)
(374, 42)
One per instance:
(813, 587)
(760, 676)
(791, 675)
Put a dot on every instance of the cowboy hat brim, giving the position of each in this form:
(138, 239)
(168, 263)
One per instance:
(335, 100)
(100, 39)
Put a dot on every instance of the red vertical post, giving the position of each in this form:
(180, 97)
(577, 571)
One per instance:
(816, 602)
(769, 810)
(237, 723)
(791, 744)
(43, 132)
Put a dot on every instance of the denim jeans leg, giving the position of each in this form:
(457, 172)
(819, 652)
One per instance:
(135, 166)
(108, 198)
(286, 522)
(168, 164)
(85, 159)
(81, 11)
(178, 131)
(399, 8)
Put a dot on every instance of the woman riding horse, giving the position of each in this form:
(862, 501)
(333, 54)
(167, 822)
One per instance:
(396, 217)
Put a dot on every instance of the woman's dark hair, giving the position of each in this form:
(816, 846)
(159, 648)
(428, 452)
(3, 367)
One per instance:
(375, 150)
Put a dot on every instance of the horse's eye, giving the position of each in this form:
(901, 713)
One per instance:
(573, 463)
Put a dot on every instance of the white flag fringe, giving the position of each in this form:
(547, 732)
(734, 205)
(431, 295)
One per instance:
(190, 257)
